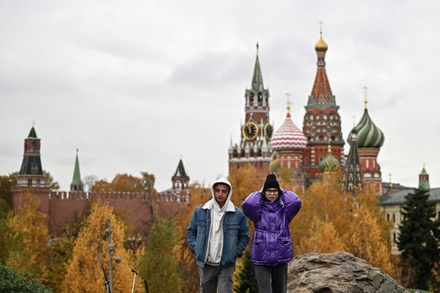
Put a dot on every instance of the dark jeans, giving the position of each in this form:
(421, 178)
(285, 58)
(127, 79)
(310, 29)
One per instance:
(212, 279)
(272, 279)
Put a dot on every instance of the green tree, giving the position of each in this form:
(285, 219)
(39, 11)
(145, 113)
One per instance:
(12, 281)
(419, 238)
(159, 264)
(246, 281)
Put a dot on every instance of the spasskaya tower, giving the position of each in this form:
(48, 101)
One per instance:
(254, 146)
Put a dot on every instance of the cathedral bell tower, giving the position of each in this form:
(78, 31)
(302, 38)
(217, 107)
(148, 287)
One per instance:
(256, 132)
(322, 123)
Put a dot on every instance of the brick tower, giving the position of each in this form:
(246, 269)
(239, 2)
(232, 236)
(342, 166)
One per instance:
(31, 177)
(254, 146)
(180, 182)
(322, 122)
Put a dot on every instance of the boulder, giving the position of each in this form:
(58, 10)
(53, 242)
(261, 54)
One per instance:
(339, 272)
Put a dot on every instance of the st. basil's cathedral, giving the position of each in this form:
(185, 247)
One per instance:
(307, 154)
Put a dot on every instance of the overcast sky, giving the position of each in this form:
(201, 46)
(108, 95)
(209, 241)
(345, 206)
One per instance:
(135, 85)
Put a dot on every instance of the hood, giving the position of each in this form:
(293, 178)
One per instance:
(228, 205)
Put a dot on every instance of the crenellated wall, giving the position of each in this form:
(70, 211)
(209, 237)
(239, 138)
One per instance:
(61, 206)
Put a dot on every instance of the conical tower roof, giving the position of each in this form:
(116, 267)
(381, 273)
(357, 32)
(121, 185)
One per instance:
(424, 180)
(76, 180)
(288, 136)
(180, 171)
(353, 172)
(257, 77)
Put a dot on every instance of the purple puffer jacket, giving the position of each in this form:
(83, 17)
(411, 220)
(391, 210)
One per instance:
(271, 244)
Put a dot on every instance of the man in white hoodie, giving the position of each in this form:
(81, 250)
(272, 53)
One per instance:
(218, 233)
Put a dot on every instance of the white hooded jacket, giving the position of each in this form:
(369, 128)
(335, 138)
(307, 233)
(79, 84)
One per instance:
(215, 239)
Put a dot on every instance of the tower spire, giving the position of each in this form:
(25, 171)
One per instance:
(76, 184)
(257, 78)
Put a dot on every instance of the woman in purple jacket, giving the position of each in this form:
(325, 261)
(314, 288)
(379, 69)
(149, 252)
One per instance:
(271, 210)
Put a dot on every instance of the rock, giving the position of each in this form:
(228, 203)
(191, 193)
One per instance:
(339, 272)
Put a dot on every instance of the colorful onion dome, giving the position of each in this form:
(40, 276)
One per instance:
(329, 163)
(288, 136)
(321, 45)
(368, 134)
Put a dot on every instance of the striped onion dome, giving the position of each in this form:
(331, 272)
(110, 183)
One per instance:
(368, 134)
(288, 136)
(329, 163)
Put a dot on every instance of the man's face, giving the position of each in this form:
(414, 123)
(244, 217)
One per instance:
(221, 192)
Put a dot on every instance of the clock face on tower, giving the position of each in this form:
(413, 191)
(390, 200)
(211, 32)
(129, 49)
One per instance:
(268, 131)
(250, 130)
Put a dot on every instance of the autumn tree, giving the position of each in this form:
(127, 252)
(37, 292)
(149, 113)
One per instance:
(365, 240)
(28, 227)
(147, 182)
(6, 184)
(355, 223)
(61, 248)
(84, 272)
(187, 259)
(419, 238)
(159, 265)
(54, 185)
(127, 183)
(243, 181)
(323, 239)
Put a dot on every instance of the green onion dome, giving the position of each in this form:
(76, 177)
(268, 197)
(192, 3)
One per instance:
(329, 163)
(368, 134)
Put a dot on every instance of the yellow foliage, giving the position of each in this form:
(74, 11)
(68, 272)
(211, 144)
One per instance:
(90, 255)
(244, 181)
(332, 220)
(29, 224)
(324, 238)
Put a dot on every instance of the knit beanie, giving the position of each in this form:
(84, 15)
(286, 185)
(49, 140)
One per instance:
(271, 182)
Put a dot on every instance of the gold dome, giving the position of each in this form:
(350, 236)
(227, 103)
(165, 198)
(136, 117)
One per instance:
(321, 45)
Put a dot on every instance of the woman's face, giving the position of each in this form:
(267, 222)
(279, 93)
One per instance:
(272, 194)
